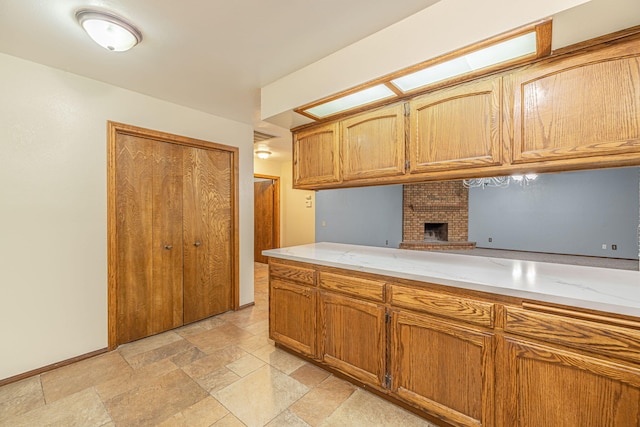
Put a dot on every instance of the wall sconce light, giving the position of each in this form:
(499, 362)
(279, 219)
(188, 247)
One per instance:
(263, 154)
(108, 30)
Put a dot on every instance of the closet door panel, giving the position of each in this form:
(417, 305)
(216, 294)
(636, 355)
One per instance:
(134, 183)
(207, 222)
(167, 237)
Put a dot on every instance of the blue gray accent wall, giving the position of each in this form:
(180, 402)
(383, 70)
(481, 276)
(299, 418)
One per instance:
(565, 213)
(369, 216)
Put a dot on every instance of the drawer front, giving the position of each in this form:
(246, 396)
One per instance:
(463, 309)
(363, 288)
(606, 339)
(306, 276)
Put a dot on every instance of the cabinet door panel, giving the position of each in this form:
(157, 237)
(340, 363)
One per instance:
(585, 105)
(549, 386)
(292, 317)
(444, 368)
(316, 156)
(457, 128)
(208, 213)
(373, 144)
(354, 337)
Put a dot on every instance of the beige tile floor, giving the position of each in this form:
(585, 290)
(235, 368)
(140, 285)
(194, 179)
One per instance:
(222, 371)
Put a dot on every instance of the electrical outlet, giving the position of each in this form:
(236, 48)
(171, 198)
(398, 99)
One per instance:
(614, 247)
(490, 239)
(604, 246)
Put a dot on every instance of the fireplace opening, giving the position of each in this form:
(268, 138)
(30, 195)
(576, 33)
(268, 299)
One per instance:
(436, 231)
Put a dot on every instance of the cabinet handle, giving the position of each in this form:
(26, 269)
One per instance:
(197, 244)
(168, 247)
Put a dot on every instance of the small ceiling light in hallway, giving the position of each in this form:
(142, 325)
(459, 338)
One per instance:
(108, 30)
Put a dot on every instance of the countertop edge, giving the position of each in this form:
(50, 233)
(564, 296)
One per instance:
(468, 285)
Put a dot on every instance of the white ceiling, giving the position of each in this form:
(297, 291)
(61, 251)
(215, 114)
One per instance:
(210, 55)
(213, 55)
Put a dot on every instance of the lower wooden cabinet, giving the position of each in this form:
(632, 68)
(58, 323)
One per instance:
(444, 368)
(353, 337)
(292, 315)
(548, 386)
(462, 359)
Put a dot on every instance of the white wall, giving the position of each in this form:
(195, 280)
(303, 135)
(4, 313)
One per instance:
(53, 230)
(444, 27)
(297, 221)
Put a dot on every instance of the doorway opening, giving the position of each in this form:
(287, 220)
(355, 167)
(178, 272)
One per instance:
(266, 222)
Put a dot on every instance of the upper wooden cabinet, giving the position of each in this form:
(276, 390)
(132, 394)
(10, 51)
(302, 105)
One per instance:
(578, 107)
(457, 128)
(316, 158)
(373, 144)
(576, 110)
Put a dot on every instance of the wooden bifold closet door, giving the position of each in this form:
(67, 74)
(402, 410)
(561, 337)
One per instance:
(174, 239)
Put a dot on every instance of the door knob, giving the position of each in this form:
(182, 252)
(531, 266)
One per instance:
(168, 247)
(197, 244)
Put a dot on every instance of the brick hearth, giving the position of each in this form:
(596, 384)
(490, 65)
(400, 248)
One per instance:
(436, 202)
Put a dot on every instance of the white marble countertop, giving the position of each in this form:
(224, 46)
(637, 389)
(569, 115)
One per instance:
(604, 289)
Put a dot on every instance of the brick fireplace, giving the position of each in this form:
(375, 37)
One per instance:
(435, 216)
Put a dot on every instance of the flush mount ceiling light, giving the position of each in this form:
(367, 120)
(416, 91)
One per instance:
(108, 30)
(263, 153)
(516, 47)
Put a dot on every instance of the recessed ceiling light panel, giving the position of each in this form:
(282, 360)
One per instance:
(495, 54)
(356, 99)
(108, 30)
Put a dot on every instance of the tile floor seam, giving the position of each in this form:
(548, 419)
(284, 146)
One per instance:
(106, 410)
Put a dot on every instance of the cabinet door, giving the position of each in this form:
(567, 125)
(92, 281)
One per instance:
(552, 387)
(353, 337)
(457, 128)
(316, 157)
(444, 368)
(583, 106)
(207, 228)
(373, 144)
(149, 237)
(292, 315)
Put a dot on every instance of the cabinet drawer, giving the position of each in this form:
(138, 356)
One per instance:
(607, 339)
(296, 274)
(458, 308)
(363, 288)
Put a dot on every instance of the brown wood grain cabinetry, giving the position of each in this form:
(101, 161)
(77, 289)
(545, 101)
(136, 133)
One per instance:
(316, 156)
(456, 307)
(353, 337)
(444, 368)
(579, 108)
(293, 302)
(576, 110)
(373, 144)
(457, 128)
(550, 386)
(459, 357)
(571, 371)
